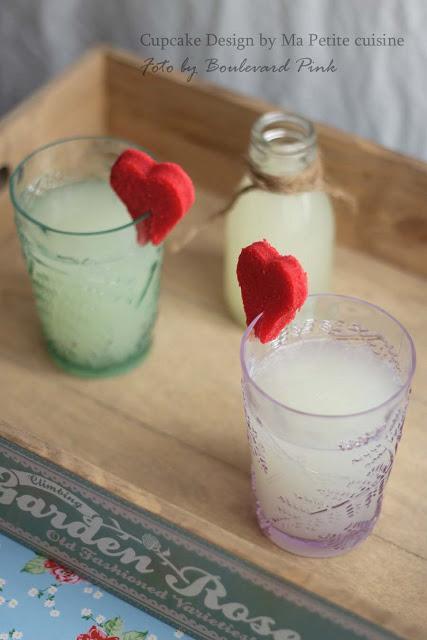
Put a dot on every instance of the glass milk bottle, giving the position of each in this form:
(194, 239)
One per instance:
(283, 150)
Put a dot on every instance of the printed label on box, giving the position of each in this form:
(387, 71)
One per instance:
(175, 576)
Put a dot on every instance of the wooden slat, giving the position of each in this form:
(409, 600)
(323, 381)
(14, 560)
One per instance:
(390, 188)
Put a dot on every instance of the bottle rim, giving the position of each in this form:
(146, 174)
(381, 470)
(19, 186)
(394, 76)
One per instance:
(283, 133)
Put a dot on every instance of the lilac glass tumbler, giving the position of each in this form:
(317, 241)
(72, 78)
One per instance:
(325, 405)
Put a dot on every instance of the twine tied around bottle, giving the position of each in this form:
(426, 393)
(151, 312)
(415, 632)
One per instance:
(309, 180)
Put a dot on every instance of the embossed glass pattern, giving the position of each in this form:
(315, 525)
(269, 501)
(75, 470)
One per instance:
(96, 292)
(319, 479)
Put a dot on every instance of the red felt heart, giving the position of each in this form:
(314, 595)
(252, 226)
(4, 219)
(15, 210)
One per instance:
(271, 284)
(163, 189)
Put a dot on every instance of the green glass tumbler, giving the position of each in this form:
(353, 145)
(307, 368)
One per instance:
(96, 291)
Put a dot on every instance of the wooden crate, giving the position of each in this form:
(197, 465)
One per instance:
(170, 436)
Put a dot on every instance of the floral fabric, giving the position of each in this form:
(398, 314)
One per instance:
(41, 599)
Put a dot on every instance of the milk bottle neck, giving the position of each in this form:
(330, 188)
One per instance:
(282, 144)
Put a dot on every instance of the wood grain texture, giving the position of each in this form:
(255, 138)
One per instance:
(73, 104)
(390, 189)
(171, 434)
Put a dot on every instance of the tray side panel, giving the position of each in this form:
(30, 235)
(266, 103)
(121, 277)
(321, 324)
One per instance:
(206, 128)
(72, 104)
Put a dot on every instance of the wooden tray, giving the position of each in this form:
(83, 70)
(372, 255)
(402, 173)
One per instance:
(170, 436)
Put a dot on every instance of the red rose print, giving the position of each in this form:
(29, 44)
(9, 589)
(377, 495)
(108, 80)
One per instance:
(95, 634)
(61, 574)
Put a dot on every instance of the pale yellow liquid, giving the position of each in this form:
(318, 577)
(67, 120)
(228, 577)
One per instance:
(328, 377)
(332, 378)
(299, 224)
(97, 293)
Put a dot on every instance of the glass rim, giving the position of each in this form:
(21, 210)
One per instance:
(13, 196)
(282, 405)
